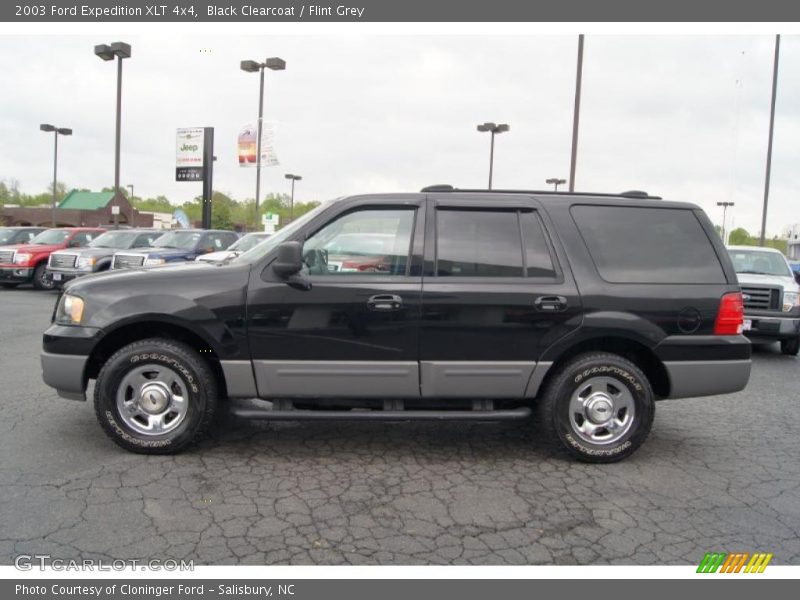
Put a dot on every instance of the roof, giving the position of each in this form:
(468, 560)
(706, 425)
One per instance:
(627, 194)
(757, 248)
(86, 200)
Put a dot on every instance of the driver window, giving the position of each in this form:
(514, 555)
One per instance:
(362, 242)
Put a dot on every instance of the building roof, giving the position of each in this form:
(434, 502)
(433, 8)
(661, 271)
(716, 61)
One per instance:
(86, 200)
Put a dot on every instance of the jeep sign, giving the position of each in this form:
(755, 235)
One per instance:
(189, 154)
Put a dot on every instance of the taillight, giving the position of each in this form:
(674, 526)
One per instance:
(730, 316)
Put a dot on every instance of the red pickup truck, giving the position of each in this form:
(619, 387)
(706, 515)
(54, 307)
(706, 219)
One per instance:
(25, 263)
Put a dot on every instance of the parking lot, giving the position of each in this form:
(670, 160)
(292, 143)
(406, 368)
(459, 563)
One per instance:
(716, 474)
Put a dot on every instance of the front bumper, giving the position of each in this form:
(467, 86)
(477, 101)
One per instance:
(770, 329)
(16, 274)
(59, 278)
(64, 372)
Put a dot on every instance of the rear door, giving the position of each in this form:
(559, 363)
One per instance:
(495, 294)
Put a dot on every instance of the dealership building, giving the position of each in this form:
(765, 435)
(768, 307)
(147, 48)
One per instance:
(79, 209)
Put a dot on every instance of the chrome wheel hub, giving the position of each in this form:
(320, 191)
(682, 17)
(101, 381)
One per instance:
(601, 410)
(152, 399)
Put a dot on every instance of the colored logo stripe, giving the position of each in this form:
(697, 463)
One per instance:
(734, 562)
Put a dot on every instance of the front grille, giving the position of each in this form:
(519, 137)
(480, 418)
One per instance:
(6, 256)
(63, 261)
(761, 298)
(126, 261)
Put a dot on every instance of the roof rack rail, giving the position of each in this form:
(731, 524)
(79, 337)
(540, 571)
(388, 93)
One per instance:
(628, 194)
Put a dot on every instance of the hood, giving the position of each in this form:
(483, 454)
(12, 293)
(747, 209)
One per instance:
(166, 253)
(39, 248)
(86, 252)
(787, 283)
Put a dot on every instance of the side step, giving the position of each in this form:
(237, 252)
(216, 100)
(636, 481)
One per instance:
(382, 415)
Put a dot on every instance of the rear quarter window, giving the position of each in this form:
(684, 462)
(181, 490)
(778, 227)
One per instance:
(648, 245)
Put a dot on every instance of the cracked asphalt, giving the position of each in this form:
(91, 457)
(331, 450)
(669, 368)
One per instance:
(716, 474)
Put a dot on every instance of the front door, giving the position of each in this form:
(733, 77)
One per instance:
(355, 332)
(494, 297)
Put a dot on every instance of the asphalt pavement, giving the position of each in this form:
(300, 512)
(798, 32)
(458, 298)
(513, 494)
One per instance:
(716, 474)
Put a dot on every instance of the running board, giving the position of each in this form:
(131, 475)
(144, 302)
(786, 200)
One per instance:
(382, 415)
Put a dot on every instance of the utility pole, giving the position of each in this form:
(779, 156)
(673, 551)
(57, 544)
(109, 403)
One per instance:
(576, 115)
(769, 142)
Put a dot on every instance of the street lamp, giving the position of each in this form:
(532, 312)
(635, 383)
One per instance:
(494, 129)
(724, 206)
(252, 66)
(56, 132)
(107, 52)
(555, 181)
(291, 206)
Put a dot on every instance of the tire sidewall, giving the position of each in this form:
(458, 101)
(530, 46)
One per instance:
(633, 380)
(106, 399)
(39, 281)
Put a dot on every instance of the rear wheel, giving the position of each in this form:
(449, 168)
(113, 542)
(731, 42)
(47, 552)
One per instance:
(600, 406)
(791, 346)
(155, 396)
(40, 282)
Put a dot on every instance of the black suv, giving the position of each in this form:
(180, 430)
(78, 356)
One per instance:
(481, 306)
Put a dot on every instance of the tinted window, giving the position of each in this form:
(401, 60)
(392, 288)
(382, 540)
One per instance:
(648, 245)
(538, 262)
(473, 243)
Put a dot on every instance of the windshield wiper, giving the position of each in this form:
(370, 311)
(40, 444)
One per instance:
(755, 273)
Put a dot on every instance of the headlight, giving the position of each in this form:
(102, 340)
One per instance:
(70, 310)
(22, 257)
(86, 262)
(149, 262)
(790, 300)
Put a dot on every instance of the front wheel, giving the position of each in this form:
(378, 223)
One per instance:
(791, 346)
(40, 281)
(600, 406)
(155, 396)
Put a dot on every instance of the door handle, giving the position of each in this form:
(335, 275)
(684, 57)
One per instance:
(385, 302)
(550, 303)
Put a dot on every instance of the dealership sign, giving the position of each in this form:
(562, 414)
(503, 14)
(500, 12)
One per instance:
(189, 154)
(247, 145)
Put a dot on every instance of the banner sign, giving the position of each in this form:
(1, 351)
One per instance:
(248, 148)
(189, 154)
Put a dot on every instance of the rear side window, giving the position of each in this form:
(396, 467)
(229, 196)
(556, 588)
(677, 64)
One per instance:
(648, 245)
(491, 243)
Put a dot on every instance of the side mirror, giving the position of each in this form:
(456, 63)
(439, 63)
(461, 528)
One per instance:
(797, 276)
(290, 259)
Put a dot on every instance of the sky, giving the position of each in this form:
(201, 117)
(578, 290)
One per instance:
(680, 116)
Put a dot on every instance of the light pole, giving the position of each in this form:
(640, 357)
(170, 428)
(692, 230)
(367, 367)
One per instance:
(120, 50)
(493, 129)
(291, 206)
(555, 181)
(576, 115)
(130, 185)
(769, 142)
(724, 206)
(252, 66)
(56, 132)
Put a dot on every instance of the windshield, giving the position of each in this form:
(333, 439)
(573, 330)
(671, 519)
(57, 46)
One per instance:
(272, 241)
(114, 239)
(51, 236)
(184, 240)
(251, 240)
(6, 235)
(758, 262)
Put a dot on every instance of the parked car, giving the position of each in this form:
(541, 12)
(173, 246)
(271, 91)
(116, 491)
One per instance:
(771, 296)
(240, 246)
(65, 265)
(586, 308)
(10, 236)
(794, 265)
(28, 262)
(359, 252)
(180, 245)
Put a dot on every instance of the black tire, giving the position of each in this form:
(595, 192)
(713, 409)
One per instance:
(9, 286)
(610, 371)
(791, 346)
(39, 281)
(170, 356)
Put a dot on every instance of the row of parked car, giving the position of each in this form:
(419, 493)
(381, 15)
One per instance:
(48, 258)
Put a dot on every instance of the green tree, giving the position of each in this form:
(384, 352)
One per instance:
(739, 237)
